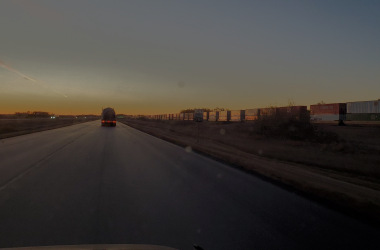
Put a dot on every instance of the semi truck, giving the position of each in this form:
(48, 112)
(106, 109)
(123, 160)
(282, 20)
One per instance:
(108, 117)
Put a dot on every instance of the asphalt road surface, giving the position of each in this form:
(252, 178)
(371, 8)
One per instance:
(87, 184)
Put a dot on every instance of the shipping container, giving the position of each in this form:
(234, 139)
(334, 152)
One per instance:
(213, 116)
(327, 117)
(205, 116)
(267, 113)
(252, 114)
(237, 115)
(363, 117)
(224, 116)
(331, 108)
(292, 112)
(189, 116)
(365, 107)
(198, 115)
(328, 112)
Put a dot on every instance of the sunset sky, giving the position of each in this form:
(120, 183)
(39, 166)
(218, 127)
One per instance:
(151, 57)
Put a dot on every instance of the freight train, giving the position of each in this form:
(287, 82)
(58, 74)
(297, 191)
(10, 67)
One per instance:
(292, 112)
(350, 111)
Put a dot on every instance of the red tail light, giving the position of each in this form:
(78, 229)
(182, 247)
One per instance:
(107, 121)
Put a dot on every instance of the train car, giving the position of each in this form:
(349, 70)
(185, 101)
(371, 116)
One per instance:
(252, 114)
(237, 115)
(206, 115)
(224, 116)
(363, 111)
(213, 116)
(328, 112)
(267, 113)
(189, 116)
(292, 113)
(198, 115)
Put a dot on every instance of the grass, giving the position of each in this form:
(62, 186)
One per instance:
(15, 127)
(340, 164)
(345, 149)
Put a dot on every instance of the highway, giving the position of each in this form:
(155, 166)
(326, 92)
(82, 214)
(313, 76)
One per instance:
(87, 184)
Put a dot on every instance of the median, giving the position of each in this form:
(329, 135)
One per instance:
(11, 127)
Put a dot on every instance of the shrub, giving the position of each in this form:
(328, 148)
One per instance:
(294, 130)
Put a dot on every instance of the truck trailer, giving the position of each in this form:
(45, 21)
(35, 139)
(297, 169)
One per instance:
(108, 117)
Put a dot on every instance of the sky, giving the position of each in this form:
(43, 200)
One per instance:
(161, 56)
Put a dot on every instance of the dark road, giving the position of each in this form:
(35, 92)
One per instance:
(87, 184)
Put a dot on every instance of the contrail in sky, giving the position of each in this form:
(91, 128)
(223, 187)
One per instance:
(5, 66)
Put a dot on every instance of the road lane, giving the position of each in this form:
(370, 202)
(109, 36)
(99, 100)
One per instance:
(21, 153)
(87, 184)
